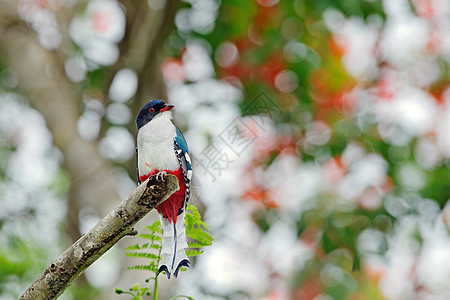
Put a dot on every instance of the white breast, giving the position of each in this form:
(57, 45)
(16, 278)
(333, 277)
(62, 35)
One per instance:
(155, 145)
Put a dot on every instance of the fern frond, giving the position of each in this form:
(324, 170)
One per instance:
(155, 227)
(192, 253)
(197, 230)
(194, 219)
(153, 241)
(154, 235)
(134, 247)
(150, 268)
(150, 236)
(196, 245)
(200, 235)
(143, 255)
(155, 246)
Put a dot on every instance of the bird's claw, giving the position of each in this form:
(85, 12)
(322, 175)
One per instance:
(161, 174)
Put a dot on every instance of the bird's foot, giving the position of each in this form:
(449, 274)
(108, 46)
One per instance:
(161, 174)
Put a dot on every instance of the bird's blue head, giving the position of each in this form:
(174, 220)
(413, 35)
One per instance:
(150, 111)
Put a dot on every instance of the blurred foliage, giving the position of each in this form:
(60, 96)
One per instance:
(23, 252)
(249, 46)
(17, 258)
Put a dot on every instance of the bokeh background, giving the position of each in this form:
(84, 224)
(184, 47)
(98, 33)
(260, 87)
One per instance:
(319, 130)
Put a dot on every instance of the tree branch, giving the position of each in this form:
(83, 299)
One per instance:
(91, 246)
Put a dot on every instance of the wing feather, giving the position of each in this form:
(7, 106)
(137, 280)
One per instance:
(182, 153)
(137, 166)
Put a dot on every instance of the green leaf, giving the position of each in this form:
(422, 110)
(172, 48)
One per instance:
(134, 247)
(197, 230)
(193, 218)
(155, 227)
(201, 236)
(196, 245)
(149, 236)
(143, 254)
(150, 268)
(155, 246)
(192, 253)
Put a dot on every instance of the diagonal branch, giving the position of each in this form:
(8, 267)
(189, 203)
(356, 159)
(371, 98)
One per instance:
(91, 246)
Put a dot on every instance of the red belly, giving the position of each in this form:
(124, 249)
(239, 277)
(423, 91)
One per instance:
(171, 207)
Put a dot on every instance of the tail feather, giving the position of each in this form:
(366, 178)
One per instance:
(173, 255)
(184, 263)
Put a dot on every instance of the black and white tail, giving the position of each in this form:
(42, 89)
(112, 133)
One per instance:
(173, 255)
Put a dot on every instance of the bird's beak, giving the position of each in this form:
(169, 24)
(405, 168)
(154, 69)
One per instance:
(167, 107)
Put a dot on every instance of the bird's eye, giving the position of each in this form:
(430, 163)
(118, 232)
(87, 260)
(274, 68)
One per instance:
(152, 110)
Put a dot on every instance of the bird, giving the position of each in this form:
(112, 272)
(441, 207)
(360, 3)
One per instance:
(162, 149)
